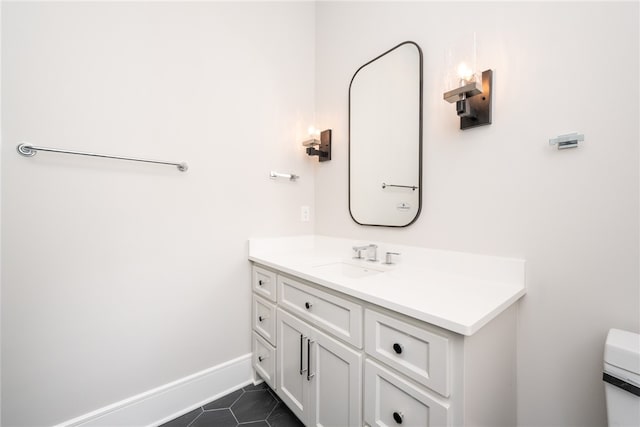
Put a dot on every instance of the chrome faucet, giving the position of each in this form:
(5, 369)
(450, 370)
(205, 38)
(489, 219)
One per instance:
(372, 252)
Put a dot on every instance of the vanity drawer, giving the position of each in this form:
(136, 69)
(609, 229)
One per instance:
(420, 354)
(390, 400)
(264, 283)
(264, 360)
(335, 315)
(264, 319)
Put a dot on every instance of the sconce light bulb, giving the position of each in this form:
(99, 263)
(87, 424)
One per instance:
(464, 73)
(313, 132)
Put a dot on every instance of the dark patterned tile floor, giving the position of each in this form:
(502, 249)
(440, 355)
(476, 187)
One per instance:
(251, 406)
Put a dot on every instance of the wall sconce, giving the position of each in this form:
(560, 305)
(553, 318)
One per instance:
(323, 144)
(470, 90)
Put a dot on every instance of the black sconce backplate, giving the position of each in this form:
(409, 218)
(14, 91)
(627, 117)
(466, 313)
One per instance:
(480, 104)
(324, 149)
(325, 145)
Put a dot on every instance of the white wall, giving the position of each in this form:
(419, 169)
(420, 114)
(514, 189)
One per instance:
(119, 277)
(573, 215)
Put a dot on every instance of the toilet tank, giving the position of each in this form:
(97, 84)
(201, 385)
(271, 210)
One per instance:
(622, 378)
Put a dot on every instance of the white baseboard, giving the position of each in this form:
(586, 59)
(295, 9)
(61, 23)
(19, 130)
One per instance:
(171, 400)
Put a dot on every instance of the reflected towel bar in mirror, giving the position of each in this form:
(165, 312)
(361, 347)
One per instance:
(413, 187)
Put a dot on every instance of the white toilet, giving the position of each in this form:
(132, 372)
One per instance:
(622, 378)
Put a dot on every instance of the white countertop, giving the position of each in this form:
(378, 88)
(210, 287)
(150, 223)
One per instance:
(457, 291)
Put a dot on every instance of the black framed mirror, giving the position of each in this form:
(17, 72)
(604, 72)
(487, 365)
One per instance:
(385, 138)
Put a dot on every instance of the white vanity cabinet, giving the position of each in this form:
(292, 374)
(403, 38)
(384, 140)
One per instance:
(337, 360)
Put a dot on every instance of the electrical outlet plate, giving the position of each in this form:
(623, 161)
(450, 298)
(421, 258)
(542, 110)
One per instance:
(305, 213)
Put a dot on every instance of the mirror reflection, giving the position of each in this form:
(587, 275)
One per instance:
(385, 138)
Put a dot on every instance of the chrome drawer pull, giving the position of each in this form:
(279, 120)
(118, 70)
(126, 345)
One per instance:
(398, 348)
(398, 417)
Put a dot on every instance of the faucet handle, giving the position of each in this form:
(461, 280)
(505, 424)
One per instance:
(358, 252)
(387, 258)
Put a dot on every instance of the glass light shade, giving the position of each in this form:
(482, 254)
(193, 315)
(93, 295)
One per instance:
(460, 63)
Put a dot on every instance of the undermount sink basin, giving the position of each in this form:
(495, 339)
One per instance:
(347, 270)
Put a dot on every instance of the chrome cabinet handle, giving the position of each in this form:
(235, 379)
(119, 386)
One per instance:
(302, 338)
(309, 374)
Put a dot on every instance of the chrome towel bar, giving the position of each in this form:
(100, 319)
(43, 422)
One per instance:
(29, 150)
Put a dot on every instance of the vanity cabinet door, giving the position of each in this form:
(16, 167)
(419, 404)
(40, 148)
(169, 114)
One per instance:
(291, 359)
(335, 382)
(333, 314)
(264, 319)
(420, 354)
(319, 378)
(390, 400)
(264, 360)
